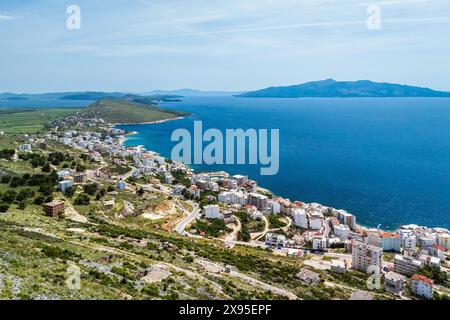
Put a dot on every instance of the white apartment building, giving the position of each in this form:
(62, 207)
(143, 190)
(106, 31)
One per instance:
(300, 218)
(275, 240)
(390, 242)
(409, 243)
(422, 286)
(406, 265)
(212, 212)
(365, 255)
(342, 231)
(276, 207)
(232, 197)
(319, 243)
(316, 220)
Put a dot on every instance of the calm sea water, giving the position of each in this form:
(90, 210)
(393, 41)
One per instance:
(386, 160)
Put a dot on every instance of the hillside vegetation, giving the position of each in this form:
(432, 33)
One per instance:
(121, 111)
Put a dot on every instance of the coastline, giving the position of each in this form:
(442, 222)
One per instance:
(132, 133)
(150, 122)
(358, 226)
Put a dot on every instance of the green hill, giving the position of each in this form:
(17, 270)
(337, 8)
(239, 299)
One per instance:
(126, 112)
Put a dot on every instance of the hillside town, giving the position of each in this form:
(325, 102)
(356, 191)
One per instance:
(237, 212)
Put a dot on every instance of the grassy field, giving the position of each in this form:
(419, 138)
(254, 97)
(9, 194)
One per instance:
(120, 111)
(16, 121)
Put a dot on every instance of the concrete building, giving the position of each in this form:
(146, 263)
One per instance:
(319, 243)
(63, 174)
(422, 286)
(240, 179)
(54, 208)
(275, 240)
(258, 200)
(406, 265)
(346, 218)
(212, 212)
(373, 237)
(25, 148)
(276, 207)
(64, 185)
(316, 220)
(300, 218)
(79, 177)
(444, 241)
(390, 242)
(409, 243)
(394, 281)
(365, 255)
(342, 231)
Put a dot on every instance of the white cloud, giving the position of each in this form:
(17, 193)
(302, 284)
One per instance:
(6, 17)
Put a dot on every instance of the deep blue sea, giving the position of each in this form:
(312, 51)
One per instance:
(387, 160)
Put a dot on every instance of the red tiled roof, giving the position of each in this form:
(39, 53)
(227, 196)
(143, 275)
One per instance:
(439, 247)
(390, 235)
(421, 278)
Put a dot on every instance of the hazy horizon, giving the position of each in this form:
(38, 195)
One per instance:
(150, 45)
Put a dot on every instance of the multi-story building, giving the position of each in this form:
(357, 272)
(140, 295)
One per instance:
(300, 218)
(390, 241)
(409, 243)
(319, 243)
(444, 240)
(258, 200)
(406, 265)
(342, 231)
(275, 240)
(373, 237)
(422, 286)
(365, 255)
(54, 208)
(64, 185)
(240, 179)
(316, 220)
(346, 218)
(212, 212)
(79, 177)
(394, 281)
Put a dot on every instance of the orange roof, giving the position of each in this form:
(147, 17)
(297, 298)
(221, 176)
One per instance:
(421, 278)
(390, 235)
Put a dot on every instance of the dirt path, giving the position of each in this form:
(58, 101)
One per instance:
(73, 214)
(216, 268)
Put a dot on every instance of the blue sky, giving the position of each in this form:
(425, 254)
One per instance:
(143, 45)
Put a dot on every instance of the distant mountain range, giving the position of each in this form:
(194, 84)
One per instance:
(91, 96)
(331, 88)
(153, 96)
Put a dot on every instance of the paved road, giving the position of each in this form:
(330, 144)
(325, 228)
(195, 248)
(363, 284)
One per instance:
(186, 221)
